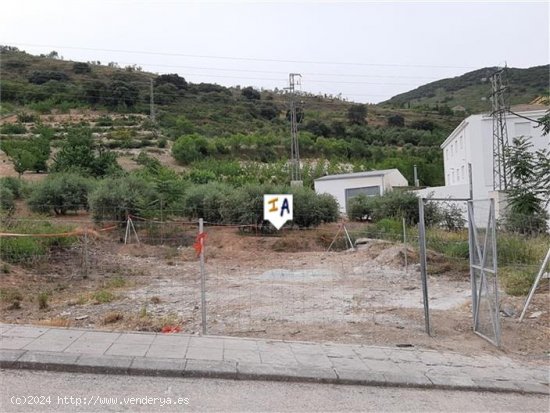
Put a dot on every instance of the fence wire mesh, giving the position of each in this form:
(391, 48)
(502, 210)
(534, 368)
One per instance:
(483, 263)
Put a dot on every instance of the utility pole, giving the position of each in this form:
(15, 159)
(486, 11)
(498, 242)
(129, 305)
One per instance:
(151, 101)
(295, 173)
(502, 178)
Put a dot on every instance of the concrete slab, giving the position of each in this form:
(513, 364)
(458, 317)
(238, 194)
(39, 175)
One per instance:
(250, 371)
(88, 347)
(354, 363)
(365, 377)
(451, 382)
(130, 350)
(313, 360)
(208, 342)
(372, 353)
(27, 331)
(496, 385)
(175, 340)
(131, 338)
(242, 356)
(104, 364)
(239, 344)
(406, 380)
(166, 351)
(7, 357)
(61, 335)
(307, 349)
(530, 387)
(206, 353)
(157, 367)
(15, 343)
(43, 360)
(280, 358)
(211, 368)
(44, 343)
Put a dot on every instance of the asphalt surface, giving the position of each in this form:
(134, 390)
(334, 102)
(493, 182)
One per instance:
(232, 396)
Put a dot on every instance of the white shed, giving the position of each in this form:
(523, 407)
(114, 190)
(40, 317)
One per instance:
(371, 183)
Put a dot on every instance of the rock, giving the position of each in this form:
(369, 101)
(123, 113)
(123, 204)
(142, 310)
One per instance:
(508, 310)
(81, 317)
(536, 314)
(362, 241)
(410, 287)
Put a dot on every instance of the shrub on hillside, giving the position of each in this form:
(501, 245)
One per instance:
(13, 184)
(395, 204)
(115, 198)
(190, 148)
(61, 193)
(6, 199)
(359, 208)
(311, 209)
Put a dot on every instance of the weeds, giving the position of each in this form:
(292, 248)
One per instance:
(42, 299)
(103, 296)
(112, 317)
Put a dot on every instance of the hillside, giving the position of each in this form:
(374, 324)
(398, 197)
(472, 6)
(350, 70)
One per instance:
(469, 89)
(237, 135)
(207, 131)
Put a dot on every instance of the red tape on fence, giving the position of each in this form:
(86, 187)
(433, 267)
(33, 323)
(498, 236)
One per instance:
(199, 243)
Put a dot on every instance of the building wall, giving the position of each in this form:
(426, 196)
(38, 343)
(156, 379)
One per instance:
(472, 142)
(337, 187)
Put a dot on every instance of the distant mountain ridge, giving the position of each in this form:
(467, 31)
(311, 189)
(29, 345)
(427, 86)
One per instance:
(469, 89)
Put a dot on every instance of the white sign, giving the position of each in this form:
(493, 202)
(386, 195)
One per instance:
(278, 209)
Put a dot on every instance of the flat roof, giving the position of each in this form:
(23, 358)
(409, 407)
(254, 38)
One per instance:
(365, 174)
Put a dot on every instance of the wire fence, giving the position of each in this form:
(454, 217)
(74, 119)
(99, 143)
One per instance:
(257, 281)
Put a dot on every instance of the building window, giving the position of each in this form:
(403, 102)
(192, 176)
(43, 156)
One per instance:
(461, 142)
(462, 172)
(448, 179)
(453, 177)
(447, 153)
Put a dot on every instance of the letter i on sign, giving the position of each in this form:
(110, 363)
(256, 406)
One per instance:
(278, 209)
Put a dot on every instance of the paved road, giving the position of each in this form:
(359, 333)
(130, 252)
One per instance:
(229, 395)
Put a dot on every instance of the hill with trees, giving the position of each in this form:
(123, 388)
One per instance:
(470, 89)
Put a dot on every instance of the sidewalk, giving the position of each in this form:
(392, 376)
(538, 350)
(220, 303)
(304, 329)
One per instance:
(179, 355)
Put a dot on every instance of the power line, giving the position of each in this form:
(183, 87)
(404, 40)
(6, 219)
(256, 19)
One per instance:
(254, 59)
(281, 72)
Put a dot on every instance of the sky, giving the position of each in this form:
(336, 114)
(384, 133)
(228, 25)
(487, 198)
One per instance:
(365, 51)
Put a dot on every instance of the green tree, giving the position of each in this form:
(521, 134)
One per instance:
(357, 115)
(80, 154)
(250, 93)
(530, 177)
(396, 120)
(190, 148)
(23, 161)
(60, 193)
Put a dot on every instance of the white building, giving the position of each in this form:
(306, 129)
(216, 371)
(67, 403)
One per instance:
(472, 143)
(345, 186)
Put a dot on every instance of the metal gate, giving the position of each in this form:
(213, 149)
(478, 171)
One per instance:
(483, 269)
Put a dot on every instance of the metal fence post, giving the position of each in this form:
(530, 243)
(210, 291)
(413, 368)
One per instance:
(423, 263)
(203, 277)
(405, 243)
(85, 247)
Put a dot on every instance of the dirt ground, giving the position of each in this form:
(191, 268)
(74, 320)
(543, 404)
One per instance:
(255, 288)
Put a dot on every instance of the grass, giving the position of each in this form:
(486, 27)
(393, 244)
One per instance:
(43, 298)
(112, 317)
(517, 281)
(24, 249)
(11, 296)
(103, 296)
(116, 282)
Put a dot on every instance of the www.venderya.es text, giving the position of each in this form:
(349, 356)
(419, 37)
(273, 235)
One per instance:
(94, 400)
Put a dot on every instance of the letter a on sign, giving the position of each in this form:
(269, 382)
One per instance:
(278, 209)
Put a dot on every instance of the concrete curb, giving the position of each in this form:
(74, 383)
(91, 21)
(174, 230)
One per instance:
(142, 366)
